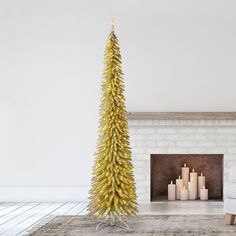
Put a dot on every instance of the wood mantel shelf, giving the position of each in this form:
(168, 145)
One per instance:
(181, 115)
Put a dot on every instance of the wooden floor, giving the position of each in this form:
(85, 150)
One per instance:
(19, 218)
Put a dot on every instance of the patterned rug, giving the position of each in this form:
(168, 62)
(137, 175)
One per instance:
(211, 225)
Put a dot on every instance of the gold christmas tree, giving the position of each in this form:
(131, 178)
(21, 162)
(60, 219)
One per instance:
(113, 192)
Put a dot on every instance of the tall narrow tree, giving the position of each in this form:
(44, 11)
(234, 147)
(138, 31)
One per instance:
(113, 192)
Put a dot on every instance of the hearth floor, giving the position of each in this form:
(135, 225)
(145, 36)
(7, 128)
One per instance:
(19, 218)
(182, 208)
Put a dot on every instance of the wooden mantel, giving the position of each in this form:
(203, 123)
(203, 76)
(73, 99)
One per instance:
(181, 115)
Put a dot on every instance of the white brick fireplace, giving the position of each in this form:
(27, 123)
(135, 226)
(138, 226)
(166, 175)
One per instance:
(179, 137)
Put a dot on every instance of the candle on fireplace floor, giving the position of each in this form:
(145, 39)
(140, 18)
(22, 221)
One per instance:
(171, 191)
(191, 190)
(193, 178)
(184, 194)
(185, 175)
(204, 194)
(201, 182)
(179, 186)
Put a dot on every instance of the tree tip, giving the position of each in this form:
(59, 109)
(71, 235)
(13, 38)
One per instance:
(112, 25)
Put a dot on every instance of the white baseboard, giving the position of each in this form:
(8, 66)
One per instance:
(43, 193)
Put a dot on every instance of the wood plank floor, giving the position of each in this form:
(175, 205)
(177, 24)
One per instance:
(20, 218)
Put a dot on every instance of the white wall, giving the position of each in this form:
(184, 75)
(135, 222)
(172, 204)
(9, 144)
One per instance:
(177, 55)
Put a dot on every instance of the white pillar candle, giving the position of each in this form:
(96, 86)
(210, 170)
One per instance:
(204, 194)
(185, 175)
(179, 186)
(191, 190)
(184, 194)
(201, 182)
(193, 178)
(171, 191)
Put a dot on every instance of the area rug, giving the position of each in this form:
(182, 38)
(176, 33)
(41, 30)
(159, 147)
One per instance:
(211, 225)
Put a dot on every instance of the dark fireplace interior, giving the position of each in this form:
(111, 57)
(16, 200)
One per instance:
(167, 167)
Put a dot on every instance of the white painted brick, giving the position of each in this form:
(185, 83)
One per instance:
(130, 122)
(140, 171)
(196, 122)
(165, 130)
(138, 122)
(140, 190)
(156, 137)
(149, 122)
(196, 137)
(216, 137)
(186, 130)
(189, 122)
(172, 122)
(159, 122)
(165, 144)
(145, 130)
(145, 143)
(175, 150)
(225, 143)
(132, 131)
(206, 144)
(140, 164)
(231, 137)
(206, 130)
(156, 150)
(132, 143)
(138, 150)
(196, 150)
(226, 130)
(143, 198)
(141, 183)
(137, 137)
(216, 150)
(230, 156)
(142, 157)
(183, 122)
(226, 122)
(185, 143)
(230, 164)
(213, 122)
(140, 177)
(203, 122)
(231, 150)
(175, 137)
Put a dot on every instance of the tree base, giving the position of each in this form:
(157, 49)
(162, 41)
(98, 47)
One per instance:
(112, 223)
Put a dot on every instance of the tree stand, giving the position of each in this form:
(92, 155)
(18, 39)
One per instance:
(112, 223)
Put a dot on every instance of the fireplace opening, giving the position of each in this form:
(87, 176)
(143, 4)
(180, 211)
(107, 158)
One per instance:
(167, 167)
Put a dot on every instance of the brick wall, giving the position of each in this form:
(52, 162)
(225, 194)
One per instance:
(179, 137)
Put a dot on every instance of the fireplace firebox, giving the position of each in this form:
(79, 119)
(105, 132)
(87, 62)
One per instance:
(167, 167)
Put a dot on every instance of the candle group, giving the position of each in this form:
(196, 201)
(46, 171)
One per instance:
(190, 187)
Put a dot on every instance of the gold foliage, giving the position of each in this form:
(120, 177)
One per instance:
(113, 190)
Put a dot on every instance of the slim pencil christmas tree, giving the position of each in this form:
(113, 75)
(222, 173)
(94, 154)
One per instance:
(113, 194)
